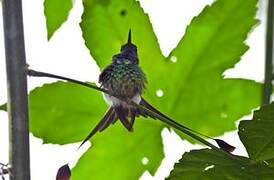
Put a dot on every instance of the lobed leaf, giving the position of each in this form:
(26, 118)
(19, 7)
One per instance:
(203, 99)
(193, 89)
(190, 81)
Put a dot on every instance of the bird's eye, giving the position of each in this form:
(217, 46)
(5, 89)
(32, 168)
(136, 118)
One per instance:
(127, 62)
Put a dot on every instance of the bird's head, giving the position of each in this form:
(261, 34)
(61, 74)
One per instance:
(128, 53)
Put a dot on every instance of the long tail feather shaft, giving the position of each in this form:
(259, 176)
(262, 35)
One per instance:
(222, 144)
(101, 125)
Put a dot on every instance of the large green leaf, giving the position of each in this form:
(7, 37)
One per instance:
(56, 13)
(257, 134)
(194, 91)
(209, 164)
(118, 154)
(64, 112)
(211, 45)
(105, 25)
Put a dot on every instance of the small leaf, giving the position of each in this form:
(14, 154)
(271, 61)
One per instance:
(209, 164)
(3, 107)
(56, 12)
(224, 145)
(63, 173)
(257, 134)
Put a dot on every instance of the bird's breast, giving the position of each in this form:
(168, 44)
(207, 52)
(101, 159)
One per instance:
(123, 80)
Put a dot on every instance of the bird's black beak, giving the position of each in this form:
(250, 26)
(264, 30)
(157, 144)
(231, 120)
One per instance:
(129, 37)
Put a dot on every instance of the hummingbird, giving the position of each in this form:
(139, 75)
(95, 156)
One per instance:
(124, 78)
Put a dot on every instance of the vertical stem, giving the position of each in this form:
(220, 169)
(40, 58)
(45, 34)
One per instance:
(269, 54)
(17, 90)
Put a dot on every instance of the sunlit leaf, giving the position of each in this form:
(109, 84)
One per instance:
(118, 154)
(64, 112)
(56, 13)
(190, 80)
(212, 44)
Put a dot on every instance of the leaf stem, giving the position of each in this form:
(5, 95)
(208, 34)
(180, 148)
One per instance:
(31, 72)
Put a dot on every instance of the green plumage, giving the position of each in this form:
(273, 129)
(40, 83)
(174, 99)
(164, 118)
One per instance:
(124, 79)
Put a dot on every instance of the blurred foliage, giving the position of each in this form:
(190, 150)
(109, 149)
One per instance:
(194, 90)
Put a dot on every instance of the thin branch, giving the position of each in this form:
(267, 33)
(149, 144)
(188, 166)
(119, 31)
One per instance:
(17, 90)
(267, 91)
(31, 72)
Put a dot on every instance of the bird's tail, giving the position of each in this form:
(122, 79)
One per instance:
(222, 144)
(123, 113)
(111, 116)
